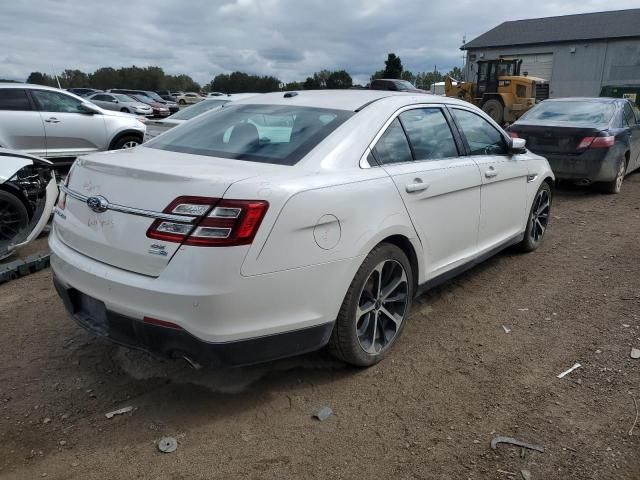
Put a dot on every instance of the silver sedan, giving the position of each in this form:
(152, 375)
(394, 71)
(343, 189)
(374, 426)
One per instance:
(120, 102)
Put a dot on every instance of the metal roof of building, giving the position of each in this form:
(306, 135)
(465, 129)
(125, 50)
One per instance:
(567, 28)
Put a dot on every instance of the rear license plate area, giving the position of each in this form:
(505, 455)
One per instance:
(91, 312)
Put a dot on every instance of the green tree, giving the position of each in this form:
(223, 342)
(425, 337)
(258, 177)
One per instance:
(408, 76)
(240, 82)
(74, 79)
(392, 66)
(456, 73)
(339, 79)
(39, 78)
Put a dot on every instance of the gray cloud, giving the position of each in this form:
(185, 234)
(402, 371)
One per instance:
(290, 39)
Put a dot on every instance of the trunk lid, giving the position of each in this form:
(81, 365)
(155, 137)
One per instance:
(141, 178)
(555, 138)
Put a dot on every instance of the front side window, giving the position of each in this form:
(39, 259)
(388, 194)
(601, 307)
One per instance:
(278, 134)
(429, 133)
(14, 99)
(482, 137)
(393, 147)
(49, 101)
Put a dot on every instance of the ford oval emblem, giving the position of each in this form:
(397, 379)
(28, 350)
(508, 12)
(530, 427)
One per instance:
(98, 204)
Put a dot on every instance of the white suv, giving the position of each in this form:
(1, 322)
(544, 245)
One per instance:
(58, 125)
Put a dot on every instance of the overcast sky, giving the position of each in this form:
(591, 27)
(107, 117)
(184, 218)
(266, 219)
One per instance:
(289, 39)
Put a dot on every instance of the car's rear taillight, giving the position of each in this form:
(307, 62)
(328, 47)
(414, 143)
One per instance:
(216, 223)
(597, 142)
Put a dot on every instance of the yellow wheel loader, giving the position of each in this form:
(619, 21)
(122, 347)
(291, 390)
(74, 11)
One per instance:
(500, 90)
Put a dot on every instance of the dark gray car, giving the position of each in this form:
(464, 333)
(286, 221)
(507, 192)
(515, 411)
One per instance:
(585, 140)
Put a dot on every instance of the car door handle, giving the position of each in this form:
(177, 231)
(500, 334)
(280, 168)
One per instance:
(418, 186)
(52, 120)
(492, 172)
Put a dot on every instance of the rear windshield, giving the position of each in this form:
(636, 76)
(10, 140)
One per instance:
(582, 113)
(190, 112)
(277, 134)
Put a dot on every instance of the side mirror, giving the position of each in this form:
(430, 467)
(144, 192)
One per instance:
(518, 145)
(88, 109)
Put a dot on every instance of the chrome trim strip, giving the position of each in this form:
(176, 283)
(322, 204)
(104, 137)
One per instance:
(130, 210)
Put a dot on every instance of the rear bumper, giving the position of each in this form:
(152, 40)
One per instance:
(592, 166)
(177, 343)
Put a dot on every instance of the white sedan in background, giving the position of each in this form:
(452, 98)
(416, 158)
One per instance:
(289, 221)
(188, 98)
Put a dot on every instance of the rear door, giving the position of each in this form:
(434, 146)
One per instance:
(439, 186)
(633, 124)
(21, 127)
(70, 132)
(504, 179)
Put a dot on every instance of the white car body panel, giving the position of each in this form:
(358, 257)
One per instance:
(326, 213)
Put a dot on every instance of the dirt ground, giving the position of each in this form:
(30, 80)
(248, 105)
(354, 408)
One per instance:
(454, 381)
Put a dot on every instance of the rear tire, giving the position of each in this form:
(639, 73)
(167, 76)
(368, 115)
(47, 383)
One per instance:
(538, 219)
(182, 102)
(615, 186)
(128, 141)
(14, 218)
(375, 308)
(125, 110)
(495, 110)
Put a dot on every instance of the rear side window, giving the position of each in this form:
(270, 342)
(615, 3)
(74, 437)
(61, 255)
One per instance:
(482, 137)
(429, 133)
(14, 99)
(278, 134)
(629, 116)
(393, 147)
(49, 101)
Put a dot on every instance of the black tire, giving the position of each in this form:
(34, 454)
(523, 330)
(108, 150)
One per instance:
(537, 220)
(125, 110)
(346, 341)
(127, 141)
(182, 102)
(14, 218)
(495, 110)
(615, 186)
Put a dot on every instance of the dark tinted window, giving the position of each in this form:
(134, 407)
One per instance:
(102, 98)
(393, 146)
(49, 101)
(279, 134)
(14, 99)
(576, 112)
(629, 116)
(429, 133)
(482, 137)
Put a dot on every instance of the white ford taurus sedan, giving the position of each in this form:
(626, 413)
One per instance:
(288, 221)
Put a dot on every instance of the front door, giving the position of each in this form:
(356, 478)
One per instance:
(439, 187)
(504, 179)
(70, 131)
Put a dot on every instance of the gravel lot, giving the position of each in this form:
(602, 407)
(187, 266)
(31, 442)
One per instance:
(430, 410)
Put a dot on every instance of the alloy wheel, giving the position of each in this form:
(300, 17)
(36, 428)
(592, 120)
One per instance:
(540, 215)
(382, 306)
(130, 144)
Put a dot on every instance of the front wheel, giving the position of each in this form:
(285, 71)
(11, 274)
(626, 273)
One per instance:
(14, 219)
(538, 220)
(495, 110)
(375, 308)
(182, 102)
(128, 141)
(125, 110)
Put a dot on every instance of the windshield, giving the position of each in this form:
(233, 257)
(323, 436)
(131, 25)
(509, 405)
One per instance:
(143, 99)
(123, 98)
(577, 112)
(404, 85)
(155, 96)
(279, 134)
(190, 112)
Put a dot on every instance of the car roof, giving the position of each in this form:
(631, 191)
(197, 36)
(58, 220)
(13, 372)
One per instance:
(347, 99)
(586, 99)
